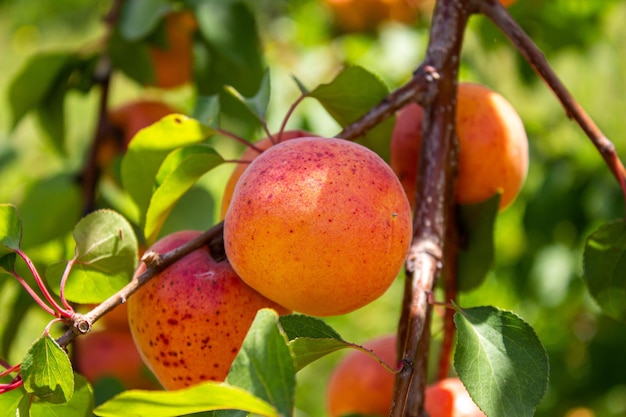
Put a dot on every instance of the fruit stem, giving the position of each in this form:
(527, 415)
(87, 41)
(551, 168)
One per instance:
(239, 139)
(493, 10)
(56, 310)
(66, 274)
(292, 108)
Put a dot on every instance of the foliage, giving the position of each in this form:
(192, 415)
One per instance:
(253, 60)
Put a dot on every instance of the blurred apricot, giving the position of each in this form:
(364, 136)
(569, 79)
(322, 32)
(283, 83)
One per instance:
(173, 63)
(449, 398)
(362, 15)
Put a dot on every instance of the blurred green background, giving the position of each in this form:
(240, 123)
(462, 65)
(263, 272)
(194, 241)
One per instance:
(569, 191)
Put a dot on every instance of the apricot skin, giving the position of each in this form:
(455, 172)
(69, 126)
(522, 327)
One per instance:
(320, 226)
(359, 384)
(190, 320)
(249, 155)
(449, 398)
(493, 147)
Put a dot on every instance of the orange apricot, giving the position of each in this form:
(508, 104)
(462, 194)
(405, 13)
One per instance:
(493, 147)
(173, 64)
(112, 353)
(362, 15)
(361, 385)
(321, 226)
(449, 398)
(247, 156)
(190, 320)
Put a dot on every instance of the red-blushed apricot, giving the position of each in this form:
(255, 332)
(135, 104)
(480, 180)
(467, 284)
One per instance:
(190, 320)
(112, 353)
(449, 398)
(173, 63)
(361, 385)
(248, 155)
(493, 147)
(320, 226)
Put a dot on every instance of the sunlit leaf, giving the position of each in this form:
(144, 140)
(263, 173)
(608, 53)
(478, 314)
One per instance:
(203, 397)
(80, 405)
(106, 258)
(47, 371)
(501, 361)
(310, 339)
(476, 254)
(264, 365)
(349, 96)
(604, 262)
(178, 173)
(10, 401)
(148, 150)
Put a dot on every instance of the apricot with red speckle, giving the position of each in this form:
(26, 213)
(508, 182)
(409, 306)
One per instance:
(190, 320)
(321, 226)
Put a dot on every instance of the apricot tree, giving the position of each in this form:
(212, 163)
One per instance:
(70, 242)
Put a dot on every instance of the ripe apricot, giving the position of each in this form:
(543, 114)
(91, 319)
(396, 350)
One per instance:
(173, 64)
(112, 353)
(190, 320)
(361, 15)
(449, 398)
(248, 155)
(359, 384)
(320, 226)
(493, 147)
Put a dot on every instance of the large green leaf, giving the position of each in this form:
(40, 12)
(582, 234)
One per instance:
(178, 173)
(140, 17)
(34, 82)
(229, 52)
(61, 197)
(604, 263)
(80, 405)
(310, 338)
(47, 371)
(352, 93)
(501, 361)
(476, 254)
(264, 365)
(148, 150)
(106, 258)
(203, 397)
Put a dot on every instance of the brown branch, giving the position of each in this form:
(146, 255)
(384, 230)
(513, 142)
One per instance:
(434, 200)
(529, 50)
(155, 263)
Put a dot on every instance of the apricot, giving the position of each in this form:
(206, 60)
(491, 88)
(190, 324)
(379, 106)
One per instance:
(449, 398)
(320, 226)
(248, 155)
(362, 15)
(131, 117)
(112, 353)
(493, 147)
(361, 385)
(190, 320)
(173, 63)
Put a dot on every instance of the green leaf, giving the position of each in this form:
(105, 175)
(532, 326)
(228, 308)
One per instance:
(140, 17)
(310, 338)
(132, 58)
(203, 397)
(476, 254)
(80, 405)
(10, 229)
(350, 96)
(61, 196)
(501, 361)
(178, 173)
(10, 401)
(106, 258)
(148, 150)
(264, 365)
(34, 82)
(47, 371)
(229, 52)
(257, 104)
(604, 263)
(207, 110)
(51, 113)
